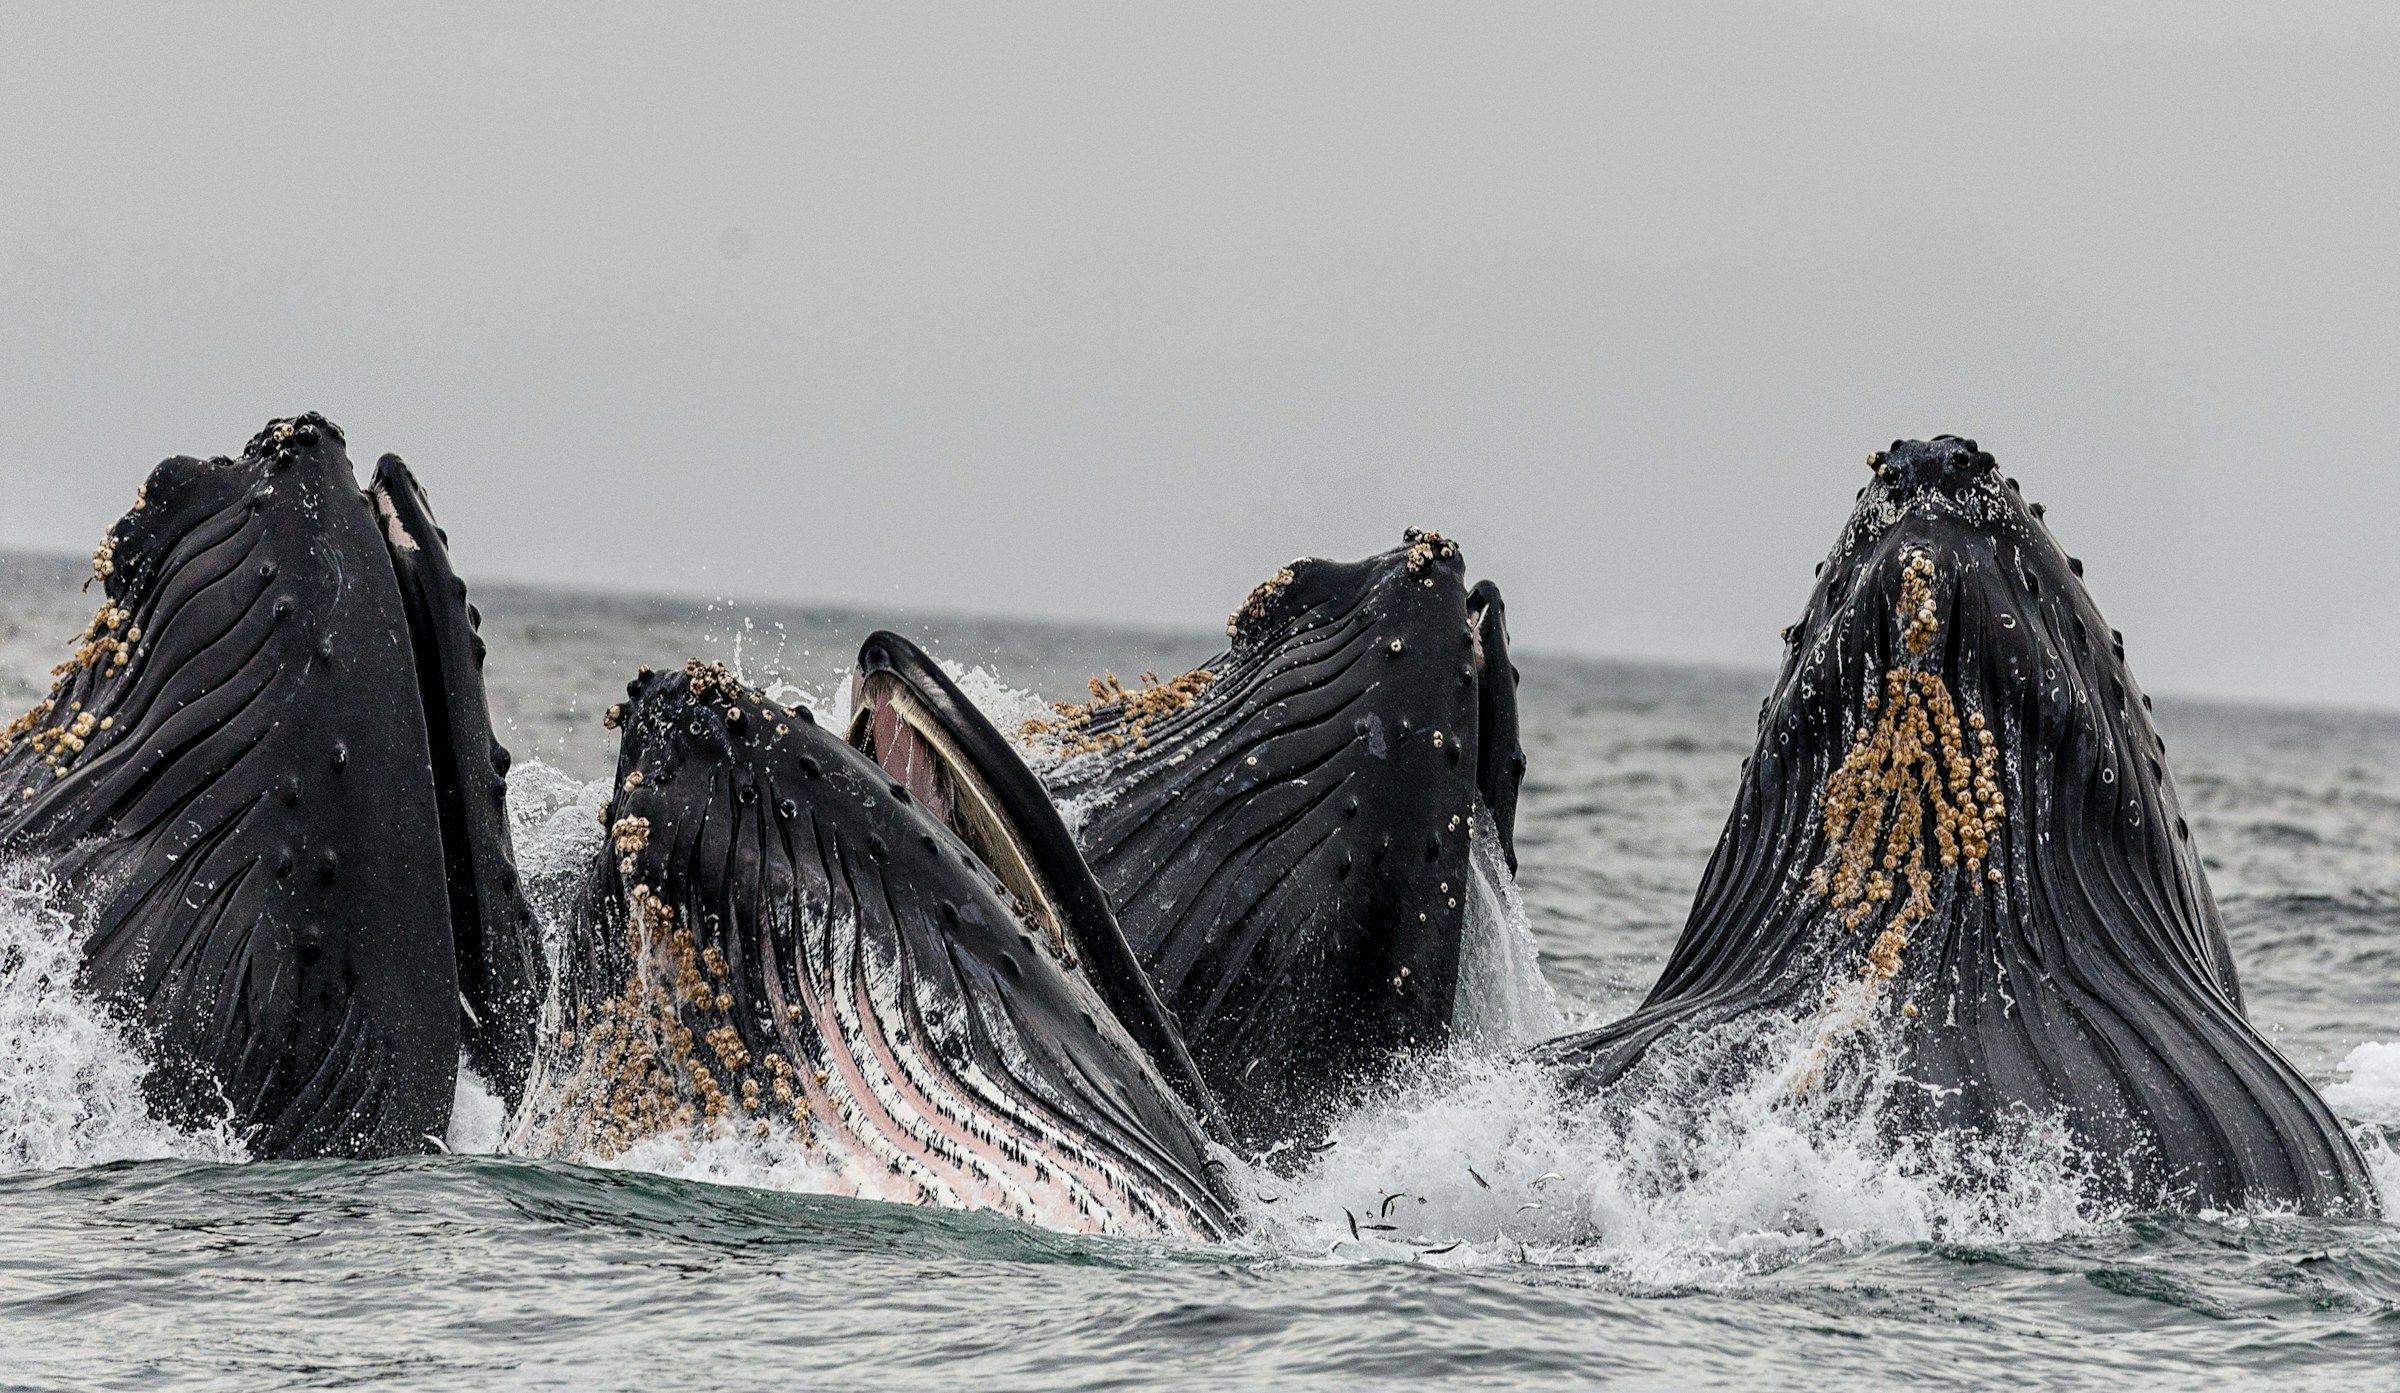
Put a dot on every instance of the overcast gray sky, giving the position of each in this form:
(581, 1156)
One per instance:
(1105, 310)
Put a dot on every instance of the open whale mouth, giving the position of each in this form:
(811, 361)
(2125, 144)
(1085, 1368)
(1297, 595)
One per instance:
(919, 728)
(1499, 755)
(909, 718)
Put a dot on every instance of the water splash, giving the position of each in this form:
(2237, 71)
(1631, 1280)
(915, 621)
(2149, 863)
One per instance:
(2369, 1095)
(1701, 1174)
(478, 1119)
(1008, 707)
(2370, 1087)
(554, 820)
(1504, 1001)
(70, 1083)
(781, 1160)
(2382, 1151)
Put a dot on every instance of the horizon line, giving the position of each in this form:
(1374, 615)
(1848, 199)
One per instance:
(68, 562)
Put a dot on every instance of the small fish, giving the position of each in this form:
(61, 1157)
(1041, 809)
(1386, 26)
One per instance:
(1554, 1175)
(1389, 1200)
(1381, 1228)
(1479, 1180)
(1437, 1252)
(1324, 1146)
(1353, 1218)
(1270, 1199)
(438, 1144)
(1523, 1207)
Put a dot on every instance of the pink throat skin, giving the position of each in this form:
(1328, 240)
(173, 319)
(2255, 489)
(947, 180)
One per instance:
(905, 755)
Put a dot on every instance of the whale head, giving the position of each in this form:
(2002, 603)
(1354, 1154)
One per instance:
(1286, 833)
(1958, 845)
(782, 935)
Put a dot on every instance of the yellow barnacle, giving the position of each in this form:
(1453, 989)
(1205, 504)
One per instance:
(1913, 791)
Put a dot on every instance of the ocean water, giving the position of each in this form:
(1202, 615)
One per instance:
(1467, 1229)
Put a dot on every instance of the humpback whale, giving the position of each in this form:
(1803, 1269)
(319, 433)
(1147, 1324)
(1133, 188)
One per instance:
(1284, 832)
(267, 782)
(1958, 849)
(788, 934)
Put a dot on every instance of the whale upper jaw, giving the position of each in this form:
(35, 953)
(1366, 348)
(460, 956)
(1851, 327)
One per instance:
(1958, 846)
(915, 723)
(781, 935)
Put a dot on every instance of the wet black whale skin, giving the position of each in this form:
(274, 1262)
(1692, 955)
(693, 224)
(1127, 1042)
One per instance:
(1288, 853)
(497, 943)
(2093, 982)
(251, 834)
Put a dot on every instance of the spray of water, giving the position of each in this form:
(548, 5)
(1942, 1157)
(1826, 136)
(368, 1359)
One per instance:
(2369, 1095)
(781, 1160)
(2370, 1087)
(1675, 1180)
(70, 1083)
(478, 1119)
(1504, 1001)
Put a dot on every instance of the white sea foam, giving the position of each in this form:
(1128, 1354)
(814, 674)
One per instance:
(478, 1119)
(555, 822)
(1480, 1160)
(2383, 1163)
(1007, 707)
(2370, 1087)
(70, 1083)
(781, 1160)
(2369, 1094)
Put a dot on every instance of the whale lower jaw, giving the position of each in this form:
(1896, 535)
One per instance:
(915, 1127)
(875, 1084)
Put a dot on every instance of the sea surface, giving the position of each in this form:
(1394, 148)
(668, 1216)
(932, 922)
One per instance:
(1505, 1239)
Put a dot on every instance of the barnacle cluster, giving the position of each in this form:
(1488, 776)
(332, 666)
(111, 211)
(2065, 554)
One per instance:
(106, 643)
(1425, 547)
(1916, 604)
(104, 647)
(1920, 767)
(1133, 709)
(644, 1070)
(1255, 607)
(104, 556)
(713, 679)
(57, 745)
(630, 835)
